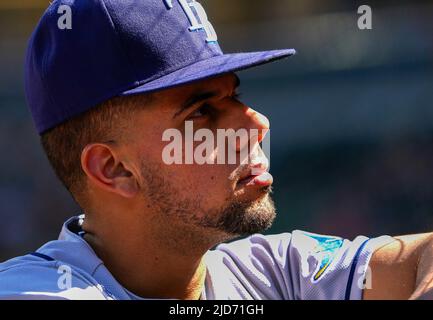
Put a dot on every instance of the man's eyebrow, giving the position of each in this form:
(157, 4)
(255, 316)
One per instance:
(202, 96)
(194, 99)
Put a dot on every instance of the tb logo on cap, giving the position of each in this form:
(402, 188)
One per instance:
(202, 23)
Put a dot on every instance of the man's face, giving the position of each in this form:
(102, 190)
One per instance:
(228, 198)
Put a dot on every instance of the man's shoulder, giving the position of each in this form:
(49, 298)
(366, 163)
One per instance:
(245, 252)
(296, 265)
(250, 268)
(37, 276)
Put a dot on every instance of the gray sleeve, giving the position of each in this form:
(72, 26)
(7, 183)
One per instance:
(301, 265)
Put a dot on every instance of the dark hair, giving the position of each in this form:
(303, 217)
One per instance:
(64, 144)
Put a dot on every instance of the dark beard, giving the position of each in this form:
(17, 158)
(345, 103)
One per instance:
(243, 218)
(234, 218)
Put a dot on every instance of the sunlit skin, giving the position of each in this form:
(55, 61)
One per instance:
(151, 252)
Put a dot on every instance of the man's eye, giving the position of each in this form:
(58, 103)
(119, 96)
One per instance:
(237, 96)
(200, 112)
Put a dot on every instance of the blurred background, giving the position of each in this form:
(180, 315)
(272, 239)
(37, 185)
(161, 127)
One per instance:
(351, 115)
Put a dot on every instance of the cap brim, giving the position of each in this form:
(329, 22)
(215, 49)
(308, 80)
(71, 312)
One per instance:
(211, 67)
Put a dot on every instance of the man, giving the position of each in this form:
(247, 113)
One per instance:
(103, 92)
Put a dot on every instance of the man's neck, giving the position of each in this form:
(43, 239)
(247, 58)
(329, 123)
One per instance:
(145, 268)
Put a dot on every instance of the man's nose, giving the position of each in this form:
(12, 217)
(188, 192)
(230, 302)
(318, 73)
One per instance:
(259, 122)
(256, 126)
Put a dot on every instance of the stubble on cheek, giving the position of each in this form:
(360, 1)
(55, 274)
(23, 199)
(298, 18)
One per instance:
(215, 209)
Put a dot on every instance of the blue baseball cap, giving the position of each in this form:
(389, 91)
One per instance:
(84, 52)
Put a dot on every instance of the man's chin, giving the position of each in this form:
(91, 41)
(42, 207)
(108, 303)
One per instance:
(245, 218)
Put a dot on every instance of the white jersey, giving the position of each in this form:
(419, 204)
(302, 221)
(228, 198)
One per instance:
(297, 265)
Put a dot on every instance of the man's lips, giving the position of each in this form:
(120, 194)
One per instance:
(256, 175)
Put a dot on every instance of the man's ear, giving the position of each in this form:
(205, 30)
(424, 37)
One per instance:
(104, 170)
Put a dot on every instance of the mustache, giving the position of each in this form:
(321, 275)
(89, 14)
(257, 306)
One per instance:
(255, 166)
